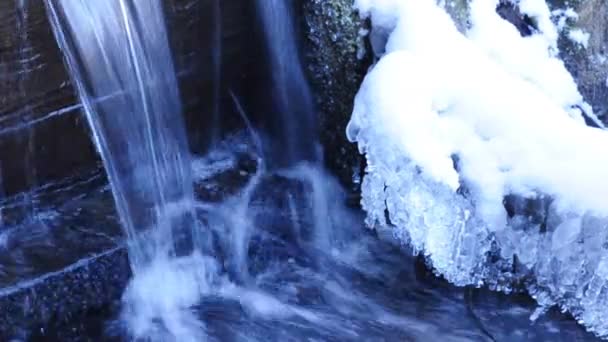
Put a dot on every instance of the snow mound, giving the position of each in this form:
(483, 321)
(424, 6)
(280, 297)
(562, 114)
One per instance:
(478, 154)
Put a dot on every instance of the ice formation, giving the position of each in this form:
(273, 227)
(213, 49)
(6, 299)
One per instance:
(478, 154)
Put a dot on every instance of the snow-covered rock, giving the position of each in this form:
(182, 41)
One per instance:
(479, 156)
(584, 48)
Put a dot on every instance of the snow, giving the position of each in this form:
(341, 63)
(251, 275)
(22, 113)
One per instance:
(529, 57)
(539, 11)
(561, 16)
(579, 36)
(452, 125)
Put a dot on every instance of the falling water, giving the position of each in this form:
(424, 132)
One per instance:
(240, 223)
(295, 124)
(27, 61)
(119, 58)
(120, 61)
(298, 126)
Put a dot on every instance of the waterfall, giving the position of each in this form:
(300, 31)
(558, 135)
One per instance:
(27, 138)
(119, 58)
(295, 123)
(296, 120)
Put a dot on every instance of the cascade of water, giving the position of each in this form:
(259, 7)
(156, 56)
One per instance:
(255, 137)
(240, 222)
(298, 138)
(295, 124)
(120, 48)
(26, 136)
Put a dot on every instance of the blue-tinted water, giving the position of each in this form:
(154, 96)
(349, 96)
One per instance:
(293, 121)
(120, 61)
(363, 287)
(286, 259)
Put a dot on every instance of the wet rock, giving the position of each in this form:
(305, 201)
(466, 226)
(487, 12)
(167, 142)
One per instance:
(43, 135)
(338, 59)
(51, 307)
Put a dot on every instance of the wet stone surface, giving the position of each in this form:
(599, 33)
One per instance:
(338, 59)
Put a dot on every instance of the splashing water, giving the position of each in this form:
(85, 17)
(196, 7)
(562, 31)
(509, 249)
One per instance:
(118, 51)
(119, 58)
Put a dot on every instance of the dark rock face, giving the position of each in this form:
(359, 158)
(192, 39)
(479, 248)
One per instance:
(39, 121)
(60, 299)
(337, 62)
(588, 65)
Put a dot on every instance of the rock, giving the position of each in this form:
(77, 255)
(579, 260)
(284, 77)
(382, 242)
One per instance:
(588, 65)
(55, 301)
(338, 60)
(459, 11)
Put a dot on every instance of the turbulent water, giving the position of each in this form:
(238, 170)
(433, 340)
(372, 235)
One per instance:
(362, 287)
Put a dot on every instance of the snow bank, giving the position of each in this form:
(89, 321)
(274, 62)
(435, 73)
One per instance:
(453, 125)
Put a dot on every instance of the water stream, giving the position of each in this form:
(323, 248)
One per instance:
(121, 47)
(26, 58)
(294, 123)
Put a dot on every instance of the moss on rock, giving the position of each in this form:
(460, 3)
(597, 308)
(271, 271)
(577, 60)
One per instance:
(337, 60)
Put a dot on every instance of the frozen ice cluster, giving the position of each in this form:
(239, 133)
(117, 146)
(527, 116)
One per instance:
(479, 155)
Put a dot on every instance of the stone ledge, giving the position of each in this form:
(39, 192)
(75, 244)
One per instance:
(59, 299)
